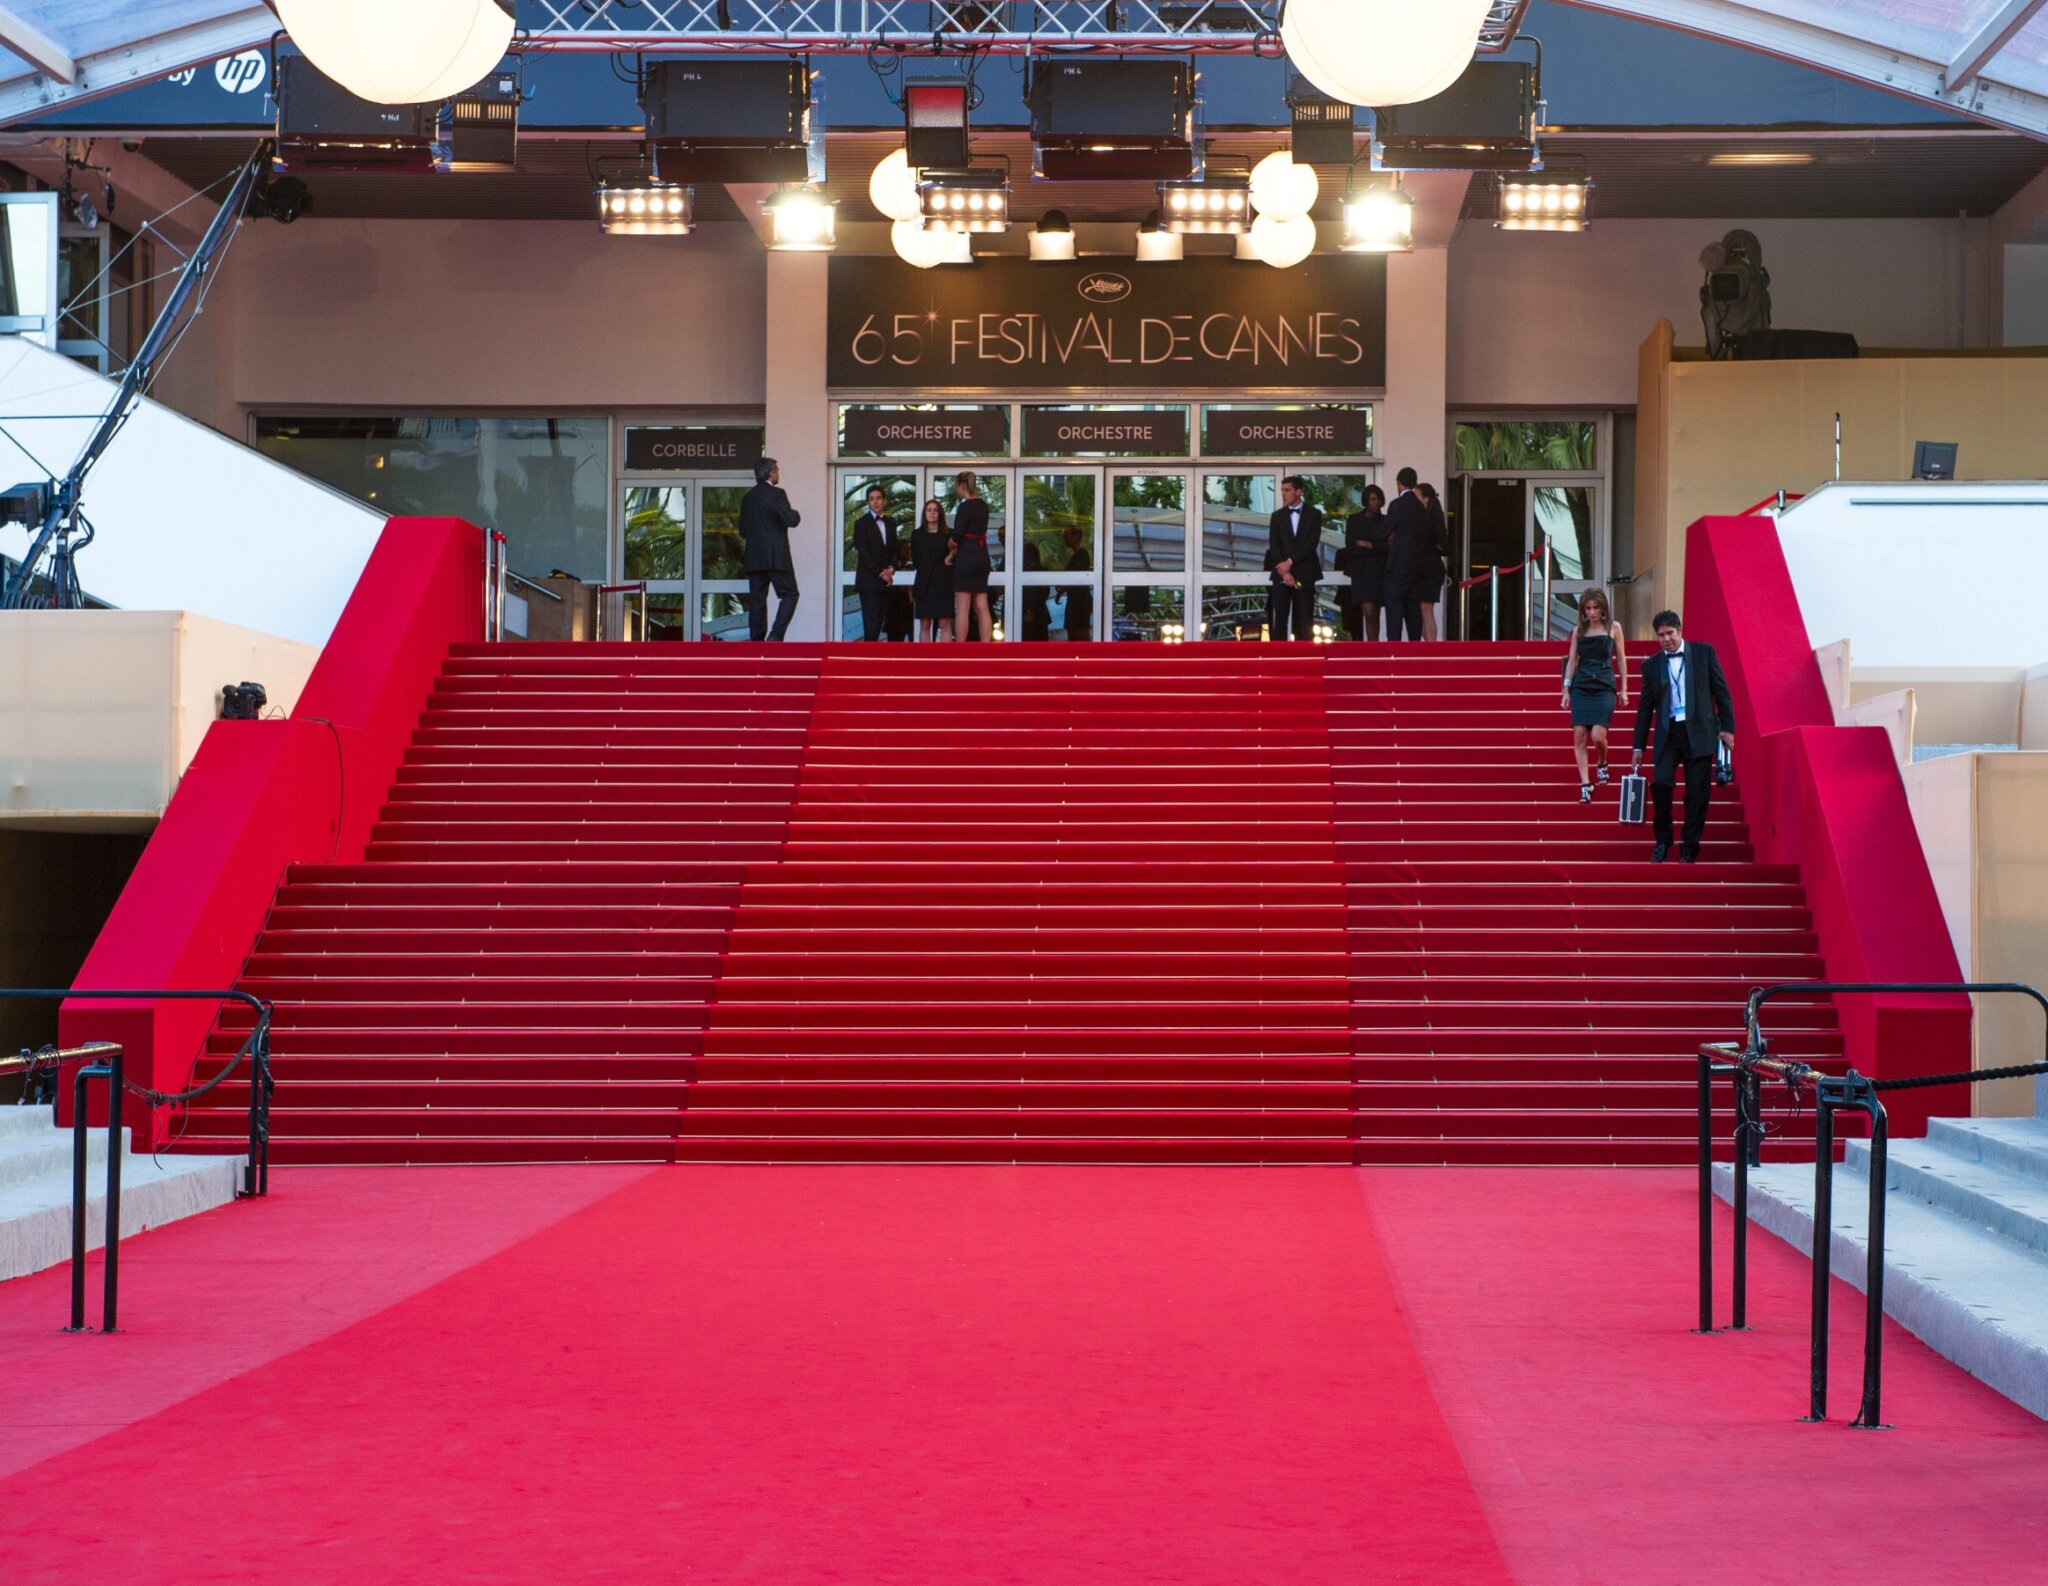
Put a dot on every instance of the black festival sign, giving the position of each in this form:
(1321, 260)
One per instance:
(1108, 324)
(652, 449)
(962, 432)
(1264, 432)
(1081, 432)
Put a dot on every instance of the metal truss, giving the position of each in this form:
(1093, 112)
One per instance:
(936, 27)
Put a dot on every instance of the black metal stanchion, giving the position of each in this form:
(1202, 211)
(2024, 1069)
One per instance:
(1748, 1153)
(110, 1298)
(1706, 1102)
(81, 1146)
(1868, 1415)
(1823, 1239)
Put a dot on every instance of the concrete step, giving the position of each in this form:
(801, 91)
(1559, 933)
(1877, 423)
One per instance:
(1970, 1294)
(35, 1190)
(2018, 1146)
(1951, 1172)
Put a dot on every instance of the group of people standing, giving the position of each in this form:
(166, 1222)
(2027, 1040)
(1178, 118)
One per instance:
(1393, 558)
(950, 597)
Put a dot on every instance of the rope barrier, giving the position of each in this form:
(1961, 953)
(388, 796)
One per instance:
(1975, 1076)
(1505, 570)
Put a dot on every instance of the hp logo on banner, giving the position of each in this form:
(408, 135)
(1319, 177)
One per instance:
(240, 74)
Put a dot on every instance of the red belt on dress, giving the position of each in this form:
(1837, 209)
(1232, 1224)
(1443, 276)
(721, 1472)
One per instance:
(978, 537)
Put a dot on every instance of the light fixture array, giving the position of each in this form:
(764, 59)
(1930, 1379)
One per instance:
(977, 199)
(1544, 201)
(1217, 206)
(645, 207)
(1156, 243)
(1052, 239)
(1379, 220)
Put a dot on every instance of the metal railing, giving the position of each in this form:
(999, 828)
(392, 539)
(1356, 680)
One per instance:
(1491, 579)
(105, 1060)
(1747, 1067)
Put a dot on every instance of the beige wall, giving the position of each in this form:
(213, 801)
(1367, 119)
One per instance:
(1544, 320)
(1958, 704)
(101, 711)
(1983, 823)
(466, 315)
(1731, 434)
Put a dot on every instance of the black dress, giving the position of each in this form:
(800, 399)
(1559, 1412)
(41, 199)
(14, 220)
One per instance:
(1365, 559)
(970, 535)
(934, 591)
(1593, 683)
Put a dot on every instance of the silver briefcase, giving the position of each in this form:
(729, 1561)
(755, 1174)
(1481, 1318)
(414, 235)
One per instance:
(1635, 797)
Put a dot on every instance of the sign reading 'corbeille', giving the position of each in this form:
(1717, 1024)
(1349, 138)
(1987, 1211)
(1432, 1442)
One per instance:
(651, 449)
(1108, 325)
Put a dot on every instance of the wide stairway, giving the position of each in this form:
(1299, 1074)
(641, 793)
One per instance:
(1208, 903)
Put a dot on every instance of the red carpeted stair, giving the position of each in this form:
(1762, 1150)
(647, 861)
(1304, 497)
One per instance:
(1207, 903)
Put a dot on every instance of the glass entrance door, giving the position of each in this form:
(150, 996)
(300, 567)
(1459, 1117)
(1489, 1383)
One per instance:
(682, 536)
(1523, 527)
(996, 487)
(1059, 560)
(1150, 521)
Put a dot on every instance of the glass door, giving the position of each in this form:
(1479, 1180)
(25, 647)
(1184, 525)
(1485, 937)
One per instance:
(1564, 525)
(996, 488)
(1494, 532)
(1059, 574)
(905, 508)
(1148, 577)
(1237, 510)
(682, 536)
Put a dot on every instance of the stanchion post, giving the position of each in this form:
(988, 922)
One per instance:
(1748, 1098)
(80, 1149)
(1868, 1415)
(1823, 1239)
(110, 1302)
(1706, 1100)
(1493, 602)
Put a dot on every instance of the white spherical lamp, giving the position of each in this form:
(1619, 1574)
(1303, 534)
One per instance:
(916, 246)
(400, 52)
(1282, 189)
(1382, 52)
(1283, 243)
(892, 188)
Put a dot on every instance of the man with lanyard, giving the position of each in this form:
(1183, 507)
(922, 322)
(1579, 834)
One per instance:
(1683, 689)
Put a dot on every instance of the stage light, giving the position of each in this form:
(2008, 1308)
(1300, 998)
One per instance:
(1157, 245)
(483, 124)
(1321, 130)
(400, 52)
(1052, 240)
(1379, 220)
(1213, 207)
(971, 200)
(1545, 201)
(935, 125)
(801, 220)
(1105, 121)
(639, 206)
(1382, 52)
(892, 187)
(1283, 243)
(1281, 189)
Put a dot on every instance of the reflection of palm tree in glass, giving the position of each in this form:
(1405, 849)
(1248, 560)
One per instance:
(656, 547)
(1526, 445)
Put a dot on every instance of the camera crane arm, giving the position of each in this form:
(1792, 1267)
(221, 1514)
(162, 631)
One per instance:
(180, 308)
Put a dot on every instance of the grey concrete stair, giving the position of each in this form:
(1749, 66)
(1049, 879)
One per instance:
(1966, 1241)
(35, 1189)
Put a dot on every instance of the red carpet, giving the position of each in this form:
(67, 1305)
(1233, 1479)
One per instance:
(1238, 903)
(798, 1375)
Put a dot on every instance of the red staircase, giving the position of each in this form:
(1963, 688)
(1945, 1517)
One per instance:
(1205, 903)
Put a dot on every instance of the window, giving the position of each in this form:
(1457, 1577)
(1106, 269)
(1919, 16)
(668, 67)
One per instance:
(1565, 446)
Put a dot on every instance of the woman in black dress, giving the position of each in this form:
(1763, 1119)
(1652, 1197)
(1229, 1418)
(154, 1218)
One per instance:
(933, 595)
(1365, 566)
(969, 560)
(1436, 545)
(1595, 681)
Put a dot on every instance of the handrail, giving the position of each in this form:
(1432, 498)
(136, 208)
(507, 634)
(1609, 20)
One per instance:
(621, 589)
(539, 589)
(1745, 1066)
(256, 1173)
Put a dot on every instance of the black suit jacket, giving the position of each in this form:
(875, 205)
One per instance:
(766, 517)
(1284, 543)
(874, 548)
(1709, 707)
(1415, 545)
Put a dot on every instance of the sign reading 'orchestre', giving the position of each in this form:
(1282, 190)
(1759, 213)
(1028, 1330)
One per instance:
(1109, 324)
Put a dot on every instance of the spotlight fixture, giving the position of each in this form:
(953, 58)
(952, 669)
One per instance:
(1156, 244)
(1052, 239)
(1218, 205)
(1108, 121)
(1485, 121)
(970, 200)
(641, 206)
(1552, 200)
(801, 220)
(484, 124)
(1322, 130)
(1378, 220)
(323, 126)
(729, 120)
(935, 124)
(280, 198)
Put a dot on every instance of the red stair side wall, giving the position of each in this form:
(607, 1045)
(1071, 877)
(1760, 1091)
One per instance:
(261, 795)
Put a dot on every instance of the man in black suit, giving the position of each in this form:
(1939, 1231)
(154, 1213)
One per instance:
(1684, 690)
(874, 564)
(1407, 549)
(766, 517)
(1294, 540)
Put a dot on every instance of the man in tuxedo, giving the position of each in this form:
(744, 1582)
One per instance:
(874, 563)
(1683, 689)
(1407, 549)
(766, 517)
(1294, 540)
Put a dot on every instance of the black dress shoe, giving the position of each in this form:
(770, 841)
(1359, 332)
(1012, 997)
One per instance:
(1688, 859)
(1657, 854)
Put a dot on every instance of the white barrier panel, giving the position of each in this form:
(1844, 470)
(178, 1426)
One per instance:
(1925, 573)
(186, 519)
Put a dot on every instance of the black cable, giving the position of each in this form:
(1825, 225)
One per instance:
(340, 782)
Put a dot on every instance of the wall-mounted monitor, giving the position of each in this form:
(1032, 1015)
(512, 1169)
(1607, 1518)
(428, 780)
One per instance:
(1934, 459)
